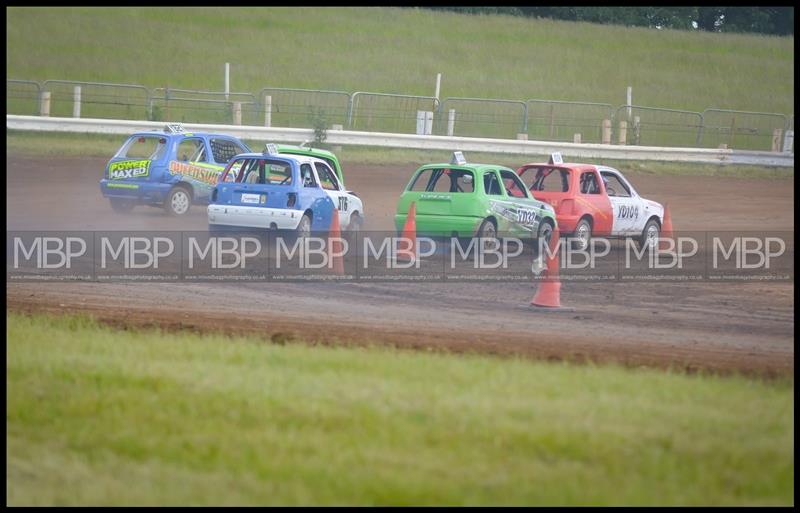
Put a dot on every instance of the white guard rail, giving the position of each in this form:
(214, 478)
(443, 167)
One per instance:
(572, 151)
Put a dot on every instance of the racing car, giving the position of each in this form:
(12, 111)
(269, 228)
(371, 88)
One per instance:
(593, 199)
(171, 169)
(279, 191)
(461, 199)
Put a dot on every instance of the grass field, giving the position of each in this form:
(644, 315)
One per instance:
(96, 416)
(55, 144)
(400, 51)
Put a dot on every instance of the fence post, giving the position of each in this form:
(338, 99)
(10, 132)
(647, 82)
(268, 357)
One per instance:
(227, 79)
(605, 137)
(267, 110)
(777, 135)
(44, 105)
(788, 141)
(237, 113)
(451, 122)
(428, 122)
(623, 131)
(636, 128)
(76, 102)
(525, 118)
(576, 138)
(350, 103)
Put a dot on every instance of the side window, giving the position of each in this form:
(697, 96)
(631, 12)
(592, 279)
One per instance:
(223, 150)
(192, 150)
(547, 179)
(308, 176)
(327, 179)
(514, 186)
(233, 173)
(588, 183)
(615, 186)
(491, 184)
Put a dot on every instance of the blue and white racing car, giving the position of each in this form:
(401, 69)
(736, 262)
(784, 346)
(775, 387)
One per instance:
(278, 191)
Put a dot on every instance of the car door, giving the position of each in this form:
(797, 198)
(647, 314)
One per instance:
(326, 178)
(627, 207)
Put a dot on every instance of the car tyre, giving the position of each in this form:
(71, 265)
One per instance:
(356, 222)
(487, 230)
(304, 227)
(178, 202)
(650, 235)
(582, 235)
(122, 206)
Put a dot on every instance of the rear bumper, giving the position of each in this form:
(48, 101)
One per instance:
(141, 192)
(437, 226)
(254, 217)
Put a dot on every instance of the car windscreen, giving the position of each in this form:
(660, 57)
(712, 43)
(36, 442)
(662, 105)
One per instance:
(261, 171)
(444, 180)
(149, 147)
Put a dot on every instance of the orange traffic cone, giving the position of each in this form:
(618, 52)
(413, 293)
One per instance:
(666, 230)
(549, 292)
(409, 233)
(335, 244)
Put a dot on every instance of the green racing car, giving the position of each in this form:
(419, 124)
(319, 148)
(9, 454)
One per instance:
(460, 199)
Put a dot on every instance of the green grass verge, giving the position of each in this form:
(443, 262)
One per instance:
(97, 416)
(56, 144)
(400, 51)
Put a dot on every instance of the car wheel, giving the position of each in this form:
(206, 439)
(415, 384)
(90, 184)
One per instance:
(304, 228)
(650, 234)
(582, 235)
(487, 231)
(178, 201)
(122, 205)
(356, 222)
(545, 231)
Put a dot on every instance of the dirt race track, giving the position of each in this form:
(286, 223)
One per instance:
(746, 327)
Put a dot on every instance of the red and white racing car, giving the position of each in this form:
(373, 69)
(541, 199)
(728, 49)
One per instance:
(593, 199)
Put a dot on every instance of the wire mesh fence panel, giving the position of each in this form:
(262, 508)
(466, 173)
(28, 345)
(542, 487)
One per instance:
(741, 129)
(97, 99)
(300, 108)
(479, 117)
(214, 107)
(22, 97)
(395, 113)
(653, 126)
(560, 121)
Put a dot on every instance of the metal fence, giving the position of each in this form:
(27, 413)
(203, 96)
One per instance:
(22, 97)
(741, 129)
(383, 112)
(546, 120)
(481, 117)
(191, 106)
(549, 120)
(299, 108)
(97, 99)
(651, 126)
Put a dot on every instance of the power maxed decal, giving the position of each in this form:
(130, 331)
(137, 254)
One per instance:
(129, 169)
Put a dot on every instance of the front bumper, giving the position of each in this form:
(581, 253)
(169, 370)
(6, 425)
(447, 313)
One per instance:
(254, 217)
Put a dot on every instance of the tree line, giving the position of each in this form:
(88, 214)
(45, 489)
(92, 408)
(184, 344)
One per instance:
(762, 20)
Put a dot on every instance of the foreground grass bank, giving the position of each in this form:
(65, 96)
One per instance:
(96, 416)
(58, 144)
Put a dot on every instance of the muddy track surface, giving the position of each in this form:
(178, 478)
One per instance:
(744, 327)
